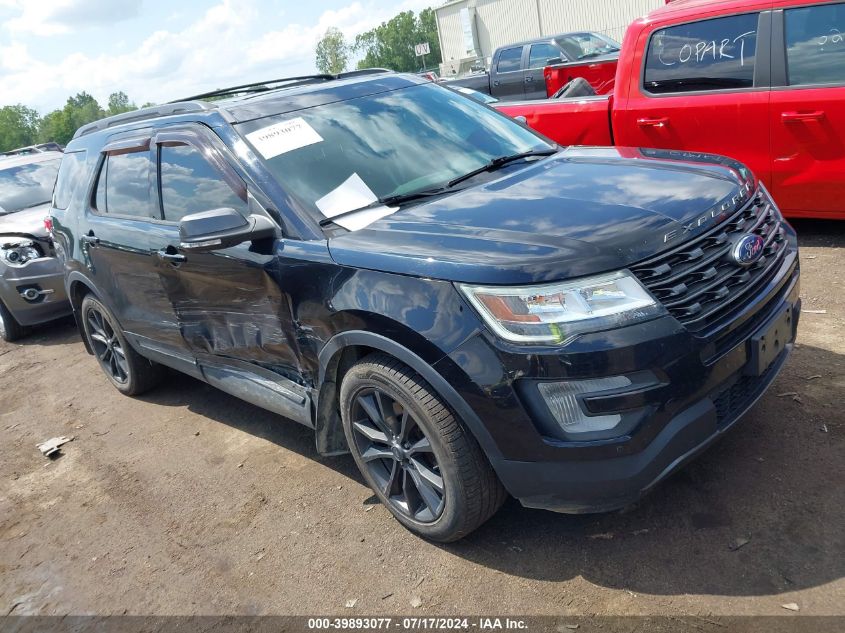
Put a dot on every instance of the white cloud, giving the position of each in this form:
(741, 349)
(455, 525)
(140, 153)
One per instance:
(54, 17)
(228, 44)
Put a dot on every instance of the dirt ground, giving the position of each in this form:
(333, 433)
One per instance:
(189, 501)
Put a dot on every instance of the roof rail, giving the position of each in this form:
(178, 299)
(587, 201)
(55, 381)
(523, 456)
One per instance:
(272, 84)
(196, 104)
(142, 115)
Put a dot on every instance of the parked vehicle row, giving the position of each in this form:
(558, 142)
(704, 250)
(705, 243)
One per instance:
(523, 70)
(762, 81)
(467, 308)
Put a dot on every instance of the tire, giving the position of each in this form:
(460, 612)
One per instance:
(126, 369)
(10, 329)
(418, 458)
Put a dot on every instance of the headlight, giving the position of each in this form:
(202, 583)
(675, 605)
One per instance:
(557, 312)
(19, 252)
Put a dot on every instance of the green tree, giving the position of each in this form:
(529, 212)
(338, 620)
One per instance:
(391, 44)
(119, 103)
(18, 126)
(60, 125)
(55, 127)
(332, 52)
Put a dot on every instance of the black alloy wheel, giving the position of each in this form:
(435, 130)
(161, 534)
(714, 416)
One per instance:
(126, 369)
(398, 455)
(107, 347)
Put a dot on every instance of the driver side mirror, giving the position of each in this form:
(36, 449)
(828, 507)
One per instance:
(222, 228)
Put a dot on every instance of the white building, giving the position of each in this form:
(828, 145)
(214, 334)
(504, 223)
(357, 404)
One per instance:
(470, 30)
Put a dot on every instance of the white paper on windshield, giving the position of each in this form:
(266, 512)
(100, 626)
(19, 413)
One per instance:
(353, 193)
(283, 137)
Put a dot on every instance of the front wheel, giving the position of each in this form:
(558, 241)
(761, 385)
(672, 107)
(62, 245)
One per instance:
(10, 329)
(417, 457)
(128, 371)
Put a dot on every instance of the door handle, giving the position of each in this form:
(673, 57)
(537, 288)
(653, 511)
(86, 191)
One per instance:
(90, 239)
(173, 258)
(657, 122)
(496, 83)
(797, 117)
(529, 79)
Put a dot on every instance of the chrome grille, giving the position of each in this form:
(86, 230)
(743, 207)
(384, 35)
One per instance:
(697, 281)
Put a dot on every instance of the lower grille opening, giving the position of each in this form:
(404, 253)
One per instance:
(736, 398)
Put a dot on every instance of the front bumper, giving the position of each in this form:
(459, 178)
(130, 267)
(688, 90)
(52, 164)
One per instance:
(45, 275)
(686, 392)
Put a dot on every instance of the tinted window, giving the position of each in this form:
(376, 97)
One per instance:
(25, 186)
(815, 44)
(123, 187)
(710, 55)
(71, 177)
(189, 184)
(509, 60)
(541, 54)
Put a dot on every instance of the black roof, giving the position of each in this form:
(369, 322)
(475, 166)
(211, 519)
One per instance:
(260, 99)
(549, 38)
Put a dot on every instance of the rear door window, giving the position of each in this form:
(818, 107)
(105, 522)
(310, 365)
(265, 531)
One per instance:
(541, 54)
(716, 54)
(190, 184)
(815, 45)
(509, 60)
(123, 186)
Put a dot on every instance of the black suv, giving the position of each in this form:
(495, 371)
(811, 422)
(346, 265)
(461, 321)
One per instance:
(467, 308)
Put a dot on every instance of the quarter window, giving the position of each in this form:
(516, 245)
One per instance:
(541, 54)
(190, 184)
(71, 175)
(509, 60)
(123, 186)
(714, 54)
(815, 45)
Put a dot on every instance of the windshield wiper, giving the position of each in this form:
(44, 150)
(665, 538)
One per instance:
(401, 198)
(499, 162)
(386, 201)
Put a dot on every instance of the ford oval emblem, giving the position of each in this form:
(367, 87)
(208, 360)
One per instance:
(748, 249)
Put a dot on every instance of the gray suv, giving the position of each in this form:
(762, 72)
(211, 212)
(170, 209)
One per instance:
(31, 283)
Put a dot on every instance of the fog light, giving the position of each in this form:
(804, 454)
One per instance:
(561, 398)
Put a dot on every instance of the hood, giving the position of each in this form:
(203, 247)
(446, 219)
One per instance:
(27, 222)
(580, 212)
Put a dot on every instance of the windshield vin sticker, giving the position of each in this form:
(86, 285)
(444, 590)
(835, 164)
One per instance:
(283, 137)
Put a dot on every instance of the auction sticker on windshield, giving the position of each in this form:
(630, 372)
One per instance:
(283, 137)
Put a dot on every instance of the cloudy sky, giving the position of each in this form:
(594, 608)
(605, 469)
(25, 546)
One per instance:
(160, 50)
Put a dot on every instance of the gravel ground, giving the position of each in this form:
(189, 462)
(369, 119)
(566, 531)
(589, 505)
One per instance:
(188, 501)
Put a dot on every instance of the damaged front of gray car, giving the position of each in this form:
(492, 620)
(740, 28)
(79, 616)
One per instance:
(31, 283)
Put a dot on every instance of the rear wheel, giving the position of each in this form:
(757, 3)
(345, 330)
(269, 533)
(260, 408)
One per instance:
(10, 329)
(128, 371)
(417, 457)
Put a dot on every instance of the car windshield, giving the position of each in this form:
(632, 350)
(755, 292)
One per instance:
(25, 186)
(586, 45)
(342, 156)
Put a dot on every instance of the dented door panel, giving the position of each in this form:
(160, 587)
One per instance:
(227, 304)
